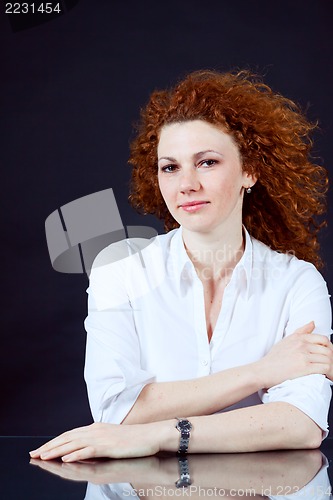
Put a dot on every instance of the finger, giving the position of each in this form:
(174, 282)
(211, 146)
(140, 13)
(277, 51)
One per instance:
(44, 449)
(308, 328)
(318, 339)
(82, 454)
(320, 349)
(58, 441)
(61, 450)
(319, 359)
(49, 446)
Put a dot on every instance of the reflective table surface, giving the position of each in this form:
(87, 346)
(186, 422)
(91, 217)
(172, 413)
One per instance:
(303, 474)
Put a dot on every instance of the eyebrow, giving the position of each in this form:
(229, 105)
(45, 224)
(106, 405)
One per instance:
(202, 153)
(196, 155)
(168, 158)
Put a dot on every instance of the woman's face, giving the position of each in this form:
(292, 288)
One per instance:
(200, 176)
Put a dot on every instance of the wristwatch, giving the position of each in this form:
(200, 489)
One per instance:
(184, 426)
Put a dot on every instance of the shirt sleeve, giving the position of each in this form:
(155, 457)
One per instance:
(112, 372)
(310, 301)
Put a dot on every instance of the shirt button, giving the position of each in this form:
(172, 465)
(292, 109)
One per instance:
(205, 362)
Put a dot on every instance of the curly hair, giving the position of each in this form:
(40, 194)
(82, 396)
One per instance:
(273, 137)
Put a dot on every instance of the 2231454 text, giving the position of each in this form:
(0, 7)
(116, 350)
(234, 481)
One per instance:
(33, 8)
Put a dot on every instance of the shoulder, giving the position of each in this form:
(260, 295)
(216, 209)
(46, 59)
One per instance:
(131, 255)
(284, 267)
(120, 250)
(128, 269)
(129, 246)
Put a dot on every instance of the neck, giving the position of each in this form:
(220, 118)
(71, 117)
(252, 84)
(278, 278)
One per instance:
(214, 255)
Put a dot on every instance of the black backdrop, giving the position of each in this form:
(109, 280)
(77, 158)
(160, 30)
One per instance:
(70, 90)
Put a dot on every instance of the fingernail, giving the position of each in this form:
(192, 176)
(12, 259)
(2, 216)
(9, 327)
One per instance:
(32, 453)
(44, 455)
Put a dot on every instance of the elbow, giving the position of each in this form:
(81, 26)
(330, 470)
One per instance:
(309, 436)
(314, 439)
(303, 433)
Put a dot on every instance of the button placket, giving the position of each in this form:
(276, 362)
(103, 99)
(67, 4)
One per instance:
(204, 360)
(223, 320)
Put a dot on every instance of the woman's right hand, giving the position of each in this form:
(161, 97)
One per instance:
(301, 353)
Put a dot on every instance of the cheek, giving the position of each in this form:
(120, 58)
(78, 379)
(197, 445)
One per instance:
(227, 191)
(166, 181)
(164, 187)
(224, 187)
(160, 184)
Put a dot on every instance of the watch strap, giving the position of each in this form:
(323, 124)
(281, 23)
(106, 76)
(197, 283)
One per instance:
(184, 426)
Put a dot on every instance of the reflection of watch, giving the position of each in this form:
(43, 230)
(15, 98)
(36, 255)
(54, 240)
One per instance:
(184, 426)
(185, 478)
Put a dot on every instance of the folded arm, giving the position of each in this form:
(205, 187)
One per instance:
(298, 355)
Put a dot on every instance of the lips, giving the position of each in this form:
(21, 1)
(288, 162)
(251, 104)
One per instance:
(193, 206)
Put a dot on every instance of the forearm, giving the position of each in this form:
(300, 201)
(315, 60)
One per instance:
(271, 426)
(298, 355)
(201, 396)
(258, 428)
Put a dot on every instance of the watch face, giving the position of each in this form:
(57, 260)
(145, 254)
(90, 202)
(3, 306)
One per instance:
(184, 425)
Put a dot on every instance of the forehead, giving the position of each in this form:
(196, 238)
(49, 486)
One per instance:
(196, 134)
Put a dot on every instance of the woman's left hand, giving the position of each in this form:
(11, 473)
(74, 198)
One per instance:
(105, 440)
(329, 373)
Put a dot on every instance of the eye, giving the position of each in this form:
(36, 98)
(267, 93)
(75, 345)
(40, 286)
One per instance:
(169, 168)
(208, 163)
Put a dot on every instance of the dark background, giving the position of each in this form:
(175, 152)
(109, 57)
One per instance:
(70, 90)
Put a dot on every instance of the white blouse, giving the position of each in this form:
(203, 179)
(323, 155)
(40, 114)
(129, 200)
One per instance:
(146, 322)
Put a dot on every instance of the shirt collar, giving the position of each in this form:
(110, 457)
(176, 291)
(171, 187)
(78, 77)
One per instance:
(183, 266)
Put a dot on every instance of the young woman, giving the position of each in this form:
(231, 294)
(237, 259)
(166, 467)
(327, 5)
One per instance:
(190, 335)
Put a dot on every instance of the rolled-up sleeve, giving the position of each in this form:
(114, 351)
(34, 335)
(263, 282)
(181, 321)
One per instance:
(112, 372)
(312, 393)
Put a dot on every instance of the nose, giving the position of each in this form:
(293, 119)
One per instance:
(189, 181)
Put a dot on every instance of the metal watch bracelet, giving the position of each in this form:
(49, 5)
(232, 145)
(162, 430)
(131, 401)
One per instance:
(184, 426)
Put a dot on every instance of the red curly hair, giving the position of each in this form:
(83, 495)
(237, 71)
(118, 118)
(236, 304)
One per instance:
(273, 137)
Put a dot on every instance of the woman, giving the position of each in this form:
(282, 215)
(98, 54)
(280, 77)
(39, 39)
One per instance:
(226, 312)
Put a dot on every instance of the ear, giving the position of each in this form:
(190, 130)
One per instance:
(249, 180)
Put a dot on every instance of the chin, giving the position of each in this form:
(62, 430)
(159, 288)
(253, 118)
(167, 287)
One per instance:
(196, 222)
(197, 227)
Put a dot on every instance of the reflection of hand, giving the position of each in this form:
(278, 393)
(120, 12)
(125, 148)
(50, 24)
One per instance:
(105, 471)
(273, 470)
(105, 440)
(299, 354)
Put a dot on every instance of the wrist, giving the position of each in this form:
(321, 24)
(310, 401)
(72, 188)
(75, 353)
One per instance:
(257, 370)
(168, 435)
